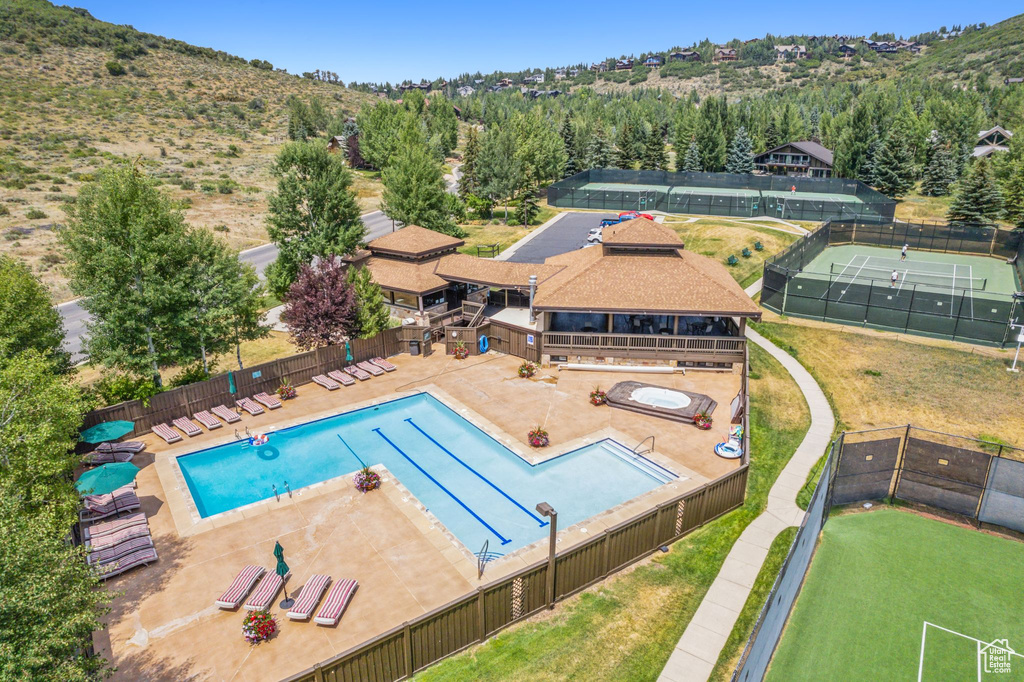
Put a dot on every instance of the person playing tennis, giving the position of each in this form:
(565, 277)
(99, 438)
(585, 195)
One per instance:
(893, 279)
(903, 253)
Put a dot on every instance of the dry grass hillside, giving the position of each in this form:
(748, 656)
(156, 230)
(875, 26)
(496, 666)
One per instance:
(207, 129)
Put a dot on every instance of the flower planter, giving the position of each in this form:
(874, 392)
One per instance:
(367, 480)
(286, 392)
(598, 397)
(258, 626)
(538, 438)
(527, 370)
(702, 421)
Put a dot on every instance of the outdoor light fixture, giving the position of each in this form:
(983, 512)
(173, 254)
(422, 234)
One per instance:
(545, 509)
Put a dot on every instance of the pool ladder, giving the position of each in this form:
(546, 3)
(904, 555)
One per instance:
(638, 451)
(277, 495)
(483, 557)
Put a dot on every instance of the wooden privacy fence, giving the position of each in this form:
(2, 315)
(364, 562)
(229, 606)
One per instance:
(417, 644)
(202, 395)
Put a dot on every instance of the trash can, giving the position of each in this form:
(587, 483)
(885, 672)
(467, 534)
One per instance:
(414, 347)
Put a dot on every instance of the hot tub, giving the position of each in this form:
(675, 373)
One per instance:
(660, 397)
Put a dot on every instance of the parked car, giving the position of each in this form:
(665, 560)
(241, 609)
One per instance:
(629, 215)
(595, 238)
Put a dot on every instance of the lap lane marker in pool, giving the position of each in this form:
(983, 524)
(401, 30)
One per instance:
(462, 504)
(501, 492)
(351, 450)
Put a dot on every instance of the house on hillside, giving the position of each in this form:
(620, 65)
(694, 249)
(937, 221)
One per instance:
(654, 61)
(725, 54)
(599, 67)
(847, 51)
(797, 159)
(559, 74)
(911, 46)
(882, 47)
(336, 144)
(993, 140)
(424, 86)
(534, 78)
(1013, 81)
(685, 56)
(465, 91)
(623, 64)
(783, 52)
(573, 73)
(505, 82)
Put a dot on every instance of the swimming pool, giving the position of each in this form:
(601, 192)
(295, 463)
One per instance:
(479, 489)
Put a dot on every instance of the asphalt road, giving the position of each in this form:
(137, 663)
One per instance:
(568, 234)
(75, 317)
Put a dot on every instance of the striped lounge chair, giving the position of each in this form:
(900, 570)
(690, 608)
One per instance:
(167, 433)
(126, 446)
(106, 528)
(357, 373)
(249, 406)
(371, 368)
(263, 596)
(308, 597)
(384, 364)
(270, 401)
(127, 562)
(97, 457)
(226, 413)
(341, 377)
(207, 420)
(114, 552)
(329, 384)
(103, 506)
(337, 599)
(240, 587)
(187, 427)
(126, 534)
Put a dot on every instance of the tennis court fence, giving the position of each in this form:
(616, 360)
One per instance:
(724, 194)
(976, 480)
(957, 308)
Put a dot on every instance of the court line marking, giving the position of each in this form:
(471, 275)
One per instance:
(867, 258)
(952, 292)
(970, 290)
(831, 284)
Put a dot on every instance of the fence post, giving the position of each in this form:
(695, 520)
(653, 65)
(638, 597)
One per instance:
(480, 613)
(984, 488)
(785, 292)
(899, 465)
(318, 674)
(910, 308)
(605, 555)
(407, 637)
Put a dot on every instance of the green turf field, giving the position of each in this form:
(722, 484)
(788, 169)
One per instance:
(875, 581)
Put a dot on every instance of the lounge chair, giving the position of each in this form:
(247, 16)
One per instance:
(240, 587)
(96, 510)
(329, 384)
(106, 528)
(337, 599)
(207, 420)
(371, 368)
(126, 446)
(270, 401)
(384, 364)
(226, 413)
(187, 427)
(167, 433)
(341, 377)
(249, 406)
(123, 535)
(308, 597)
(107, 498)
(96, 457)
(357, 373)
(127, 562)
(114, 552)
(263, 596)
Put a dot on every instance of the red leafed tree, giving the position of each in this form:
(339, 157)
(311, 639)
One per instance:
(320, 308)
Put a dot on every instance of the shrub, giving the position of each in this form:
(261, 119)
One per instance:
(4, 210)
(34, 214)
(117, 388)
(116, 68)
(192, 374)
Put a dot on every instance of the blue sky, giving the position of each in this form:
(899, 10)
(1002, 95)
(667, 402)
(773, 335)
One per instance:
(391, 41)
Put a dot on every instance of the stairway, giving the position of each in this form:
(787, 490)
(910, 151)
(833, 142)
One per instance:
(649, 467)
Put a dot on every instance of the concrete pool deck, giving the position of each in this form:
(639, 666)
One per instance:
(163, 625)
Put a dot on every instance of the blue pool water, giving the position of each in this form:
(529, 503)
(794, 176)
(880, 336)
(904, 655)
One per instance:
(476, 487)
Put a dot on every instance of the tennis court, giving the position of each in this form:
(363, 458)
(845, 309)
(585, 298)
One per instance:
(891, 595)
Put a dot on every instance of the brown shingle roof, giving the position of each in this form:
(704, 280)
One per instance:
(413, 240)
(679, 282)
(641, 232)
(465, 268)
(401, 275)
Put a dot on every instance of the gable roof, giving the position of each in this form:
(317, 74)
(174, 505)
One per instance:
(641, 232)
(407, 276)
(808, 147)
(413, 240)
(994, 129)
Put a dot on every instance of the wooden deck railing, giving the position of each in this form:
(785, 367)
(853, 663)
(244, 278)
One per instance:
(695, 348)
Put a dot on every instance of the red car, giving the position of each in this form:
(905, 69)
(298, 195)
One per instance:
(626, 215)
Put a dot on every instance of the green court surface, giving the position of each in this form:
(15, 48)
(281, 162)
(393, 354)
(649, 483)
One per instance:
(891, 595)
(941, 271)
(812, 196)
(678, 189)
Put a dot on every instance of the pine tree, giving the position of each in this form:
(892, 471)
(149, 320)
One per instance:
(599, 152)
(867, 169)
(627, 152)
(892, 168)
(852, 147)
(372, 315)
(655, 157)
(691, 162)
(568, 136)
(1013, 197)
(939, 171)
(469, 180)
(711, 143)
(741, 155)
(976, 198)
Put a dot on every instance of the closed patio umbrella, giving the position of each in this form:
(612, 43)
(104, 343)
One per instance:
(348, 352)
(231, 383)
(282, 570)
(101, 433)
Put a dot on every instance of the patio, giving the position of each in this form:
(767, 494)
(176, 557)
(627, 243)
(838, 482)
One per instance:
(165, 626)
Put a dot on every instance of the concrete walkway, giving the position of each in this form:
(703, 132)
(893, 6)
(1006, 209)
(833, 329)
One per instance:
(698, 649)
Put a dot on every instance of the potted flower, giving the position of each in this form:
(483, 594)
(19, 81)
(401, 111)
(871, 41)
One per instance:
(527, 370)
(598, 397)
(258, 626)
(702, 420)
(460, 351)
(367, 480)
(286, 391)
(538, 438)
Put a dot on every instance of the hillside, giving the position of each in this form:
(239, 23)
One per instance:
(206, 124)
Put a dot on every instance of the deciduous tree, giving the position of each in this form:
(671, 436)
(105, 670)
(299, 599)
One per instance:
(373, 315)
(320, 307)
(414, 187)
(27, 318)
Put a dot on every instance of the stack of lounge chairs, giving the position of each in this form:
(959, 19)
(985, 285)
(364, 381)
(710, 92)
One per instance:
(105, 453)
(118, 545)
(361, 371)
(98, 507)
(306, 600)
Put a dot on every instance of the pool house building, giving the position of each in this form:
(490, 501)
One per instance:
(640, 298)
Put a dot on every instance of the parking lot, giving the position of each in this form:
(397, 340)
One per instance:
(568, 234)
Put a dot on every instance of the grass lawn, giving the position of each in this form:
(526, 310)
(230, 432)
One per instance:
(485, 233)
(720, 238)
(626, 627)
(915, 207)
(874, 581)
(880, 381)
